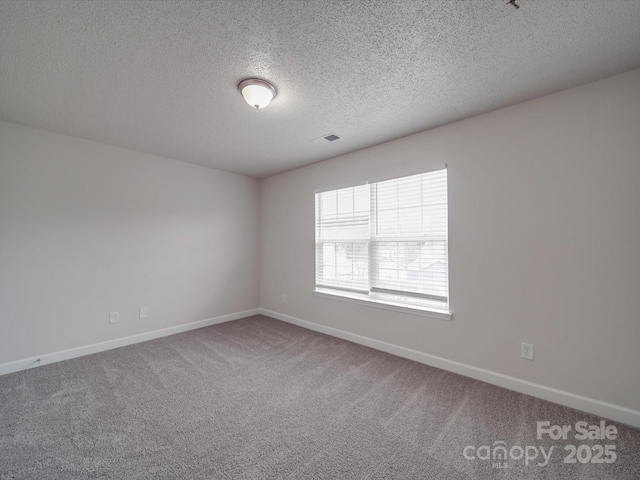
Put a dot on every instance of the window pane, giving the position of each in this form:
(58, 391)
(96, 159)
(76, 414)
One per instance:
(345, 200)
(419, 203)
(413, 267)
(413, 211)
(329, 203)
(344, 264)
(342, 235)
(343, 214)
(362, 199)
(387, 222)
(410, 221)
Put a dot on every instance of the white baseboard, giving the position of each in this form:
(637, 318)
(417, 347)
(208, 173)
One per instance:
(585, 404)
(45, 359)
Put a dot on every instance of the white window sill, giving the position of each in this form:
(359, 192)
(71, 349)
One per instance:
(373, 302)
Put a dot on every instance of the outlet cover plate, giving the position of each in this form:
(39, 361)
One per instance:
(526, 351)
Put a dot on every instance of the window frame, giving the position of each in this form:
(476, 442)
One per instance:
(371, 297)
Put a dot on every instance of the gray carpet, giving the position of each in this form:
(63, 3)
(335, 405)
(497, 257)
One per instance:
(261, 399)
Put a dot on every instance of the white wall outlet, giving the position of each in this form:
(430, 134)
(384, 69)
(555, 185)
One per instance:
(144, 312)
(114, 317)
(284, 298)
(526, 351)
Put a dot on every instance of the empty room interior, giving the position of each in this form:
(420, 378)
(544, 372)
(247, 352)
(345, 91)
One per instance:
(333, 239)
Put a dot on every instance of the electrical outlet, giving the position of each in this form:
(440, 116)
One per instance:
(526, 351)
(284, 298)
(144, 312)
(114, 317)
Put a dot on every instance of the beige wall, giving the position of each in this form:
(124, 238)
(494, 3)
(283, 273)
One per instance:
(87, 228)
(544, 224)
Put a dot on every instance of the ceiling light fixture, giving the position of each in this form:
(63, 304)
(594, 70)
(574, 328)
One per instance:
(257, 93)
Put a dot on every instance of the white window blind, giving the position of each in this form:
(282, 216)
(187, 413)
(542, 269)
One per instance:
(386, 240)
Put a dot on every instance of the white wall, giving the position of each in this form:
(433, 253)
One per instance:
(544, 207)
(87, 228)
(544, 236)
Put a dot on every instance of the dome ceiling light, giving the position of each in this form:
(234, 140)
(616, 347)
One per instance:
(256, 92)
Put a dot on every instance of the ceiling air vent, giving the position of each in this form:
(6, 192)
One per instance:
(327, 137)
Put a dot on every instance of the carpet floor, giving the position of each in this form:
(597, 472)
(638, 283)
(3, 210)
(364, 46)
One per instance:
(257, 398)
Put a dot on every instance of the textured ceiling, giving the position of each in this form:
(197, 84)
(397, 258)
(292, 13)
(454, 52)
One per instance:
(161, 76)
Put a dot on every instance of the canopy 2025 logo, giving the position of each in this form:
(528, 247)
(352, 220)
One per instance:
(499, 454)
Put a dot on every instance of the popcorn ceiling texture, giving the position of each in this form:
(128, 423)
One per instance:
(161, 76)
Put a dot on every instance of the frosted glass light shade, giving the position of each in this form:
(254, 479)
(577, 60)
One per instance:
(257, 93)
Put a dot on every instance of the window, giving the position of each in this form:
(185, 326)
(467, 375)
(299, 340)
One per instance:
(385, 242)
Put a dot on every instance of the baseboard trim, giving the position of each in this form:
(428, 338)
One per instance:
(48, 358)
(596, 407)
